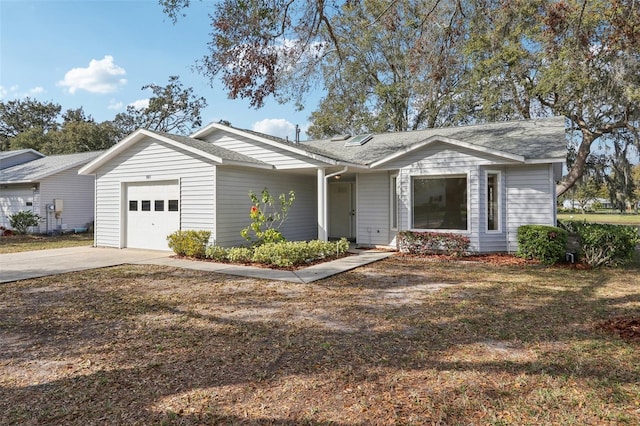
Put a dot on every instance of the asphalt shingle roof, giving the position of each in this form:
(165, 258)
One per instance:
(531, 139)
(46, 166)
(209, 148)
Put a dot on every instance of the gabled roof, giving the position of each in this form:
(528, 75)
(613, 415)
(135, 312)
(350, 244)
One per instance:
(36, 170)
(526, 141)
(9, 158)
(198, 147)
(295, 148)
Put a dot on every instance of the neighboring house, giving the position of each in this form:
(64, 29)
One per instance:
(19, 156)
(483, 181)
(51, 188)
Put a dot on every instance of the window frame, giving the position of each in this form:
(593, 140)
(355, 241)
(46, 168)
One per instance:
(498, 175)
(394, 203)
(413, 178)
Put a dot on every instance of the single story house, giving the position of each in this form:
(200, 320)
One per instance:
(50, 187)
(483, 181)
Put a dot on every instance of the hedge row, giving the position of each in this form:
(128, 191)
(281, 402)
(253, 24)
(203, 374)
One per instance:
(280, 254)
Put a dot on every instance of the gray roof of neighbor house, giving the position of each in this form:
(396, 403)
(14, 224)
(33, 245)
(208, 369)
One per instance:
(542, 139)
(209, 148)
(12, 158)
(35, 170)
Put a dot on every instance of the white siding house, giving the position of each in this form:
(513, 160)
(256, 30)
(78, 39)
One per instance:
(482, 181)
(51, 188)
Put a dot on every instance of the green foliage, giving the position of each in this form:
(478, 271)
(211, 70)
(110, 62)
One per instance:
(541, 242)
(293, 253)
(604, 244)
(424, 243)
(189, 243)
(240, 255)
(267, 218)
(216, 253)
(171, 108)
(21, 221)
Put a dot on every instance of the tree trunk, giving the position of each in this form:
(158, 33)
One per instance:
(580, 163)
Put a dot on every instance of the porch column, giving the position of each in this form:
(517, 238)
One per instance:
(322, 206)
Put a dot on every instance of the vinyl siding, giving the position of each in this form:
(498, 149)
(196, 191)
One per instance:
(530, 198)
(150, 160)
(280, 158)
(373, 209)
(77, 194)
(234, 203)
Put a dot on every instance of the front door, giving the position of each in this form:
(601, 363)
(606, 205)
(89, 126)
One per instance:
(341, 210)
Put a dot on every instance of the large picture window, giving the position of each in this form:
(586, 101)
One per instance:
(440, 203)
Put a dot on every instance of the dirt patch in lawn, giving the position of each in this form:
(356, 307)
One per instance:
(400, 341)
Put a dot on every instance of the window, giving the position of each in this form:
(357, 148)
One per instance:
(394, 202)
(133, 206)
(159, 205)
(173, 206)
(440, 203)
(146, 205)
(493, 200)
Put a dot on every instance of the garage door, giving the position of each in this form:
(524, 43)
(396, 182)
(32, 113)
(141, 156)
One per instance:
(14, 200)
(153, 212)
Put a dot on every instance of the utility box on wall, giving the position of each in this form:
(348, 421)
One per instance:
(58, 206)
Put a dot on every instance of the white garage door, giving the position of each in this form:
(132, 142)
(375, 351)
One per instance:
(153, 212)
(14, 199)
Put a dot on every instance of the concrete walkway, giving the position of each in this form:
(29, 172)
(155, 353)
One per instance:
(33, 264)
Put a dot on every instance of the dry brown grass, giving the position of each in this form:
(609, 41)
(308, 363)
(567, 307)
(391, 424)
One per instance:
(29, 242)
(396, 342)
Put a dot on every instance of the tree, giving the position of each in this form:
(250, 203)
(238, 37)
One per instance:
(571, 57)
(522, 59)
(397, 71)
(171, 109)
(21, 115)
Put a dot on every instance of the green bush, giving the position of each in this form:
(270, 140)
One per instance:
(541, 242)
(189, 243)
(240, 255)
(424, 243)
(293, 253)
(604, 244)
(217, 253)
(21, 221)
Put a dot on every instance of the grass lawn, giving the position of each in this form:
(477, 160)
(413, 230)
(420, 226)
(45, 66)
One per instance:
(17, 243)
(401, 341)
(619, 219)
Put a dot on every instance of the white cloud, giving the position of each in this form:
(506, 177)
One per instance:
(276, 127)
(15, 93)
(115, 105)
(101, 76)
(140, 103)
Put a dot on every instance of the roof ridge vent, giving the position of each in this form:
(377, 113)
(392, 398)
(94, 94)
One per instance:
(338, 138)
(359, 140)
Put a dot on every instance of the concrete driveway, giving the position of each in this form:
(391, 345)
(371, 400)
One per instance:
(41, 263)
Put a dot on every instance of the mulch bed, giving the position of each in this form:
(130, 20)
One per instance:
(627, 328)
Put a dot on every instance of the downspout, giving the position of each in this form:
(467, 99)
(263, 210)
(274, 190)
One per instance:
(325, 207)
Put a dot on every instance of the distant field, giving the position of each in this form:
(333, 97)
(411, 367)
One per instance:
(620, 219)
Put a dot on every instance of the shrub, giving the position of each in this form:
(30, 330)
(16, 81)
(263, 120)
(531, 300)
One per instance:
(240, 255)
(21, 221)
(266, 218)
(541, 242)
(217, 253)
(424, 243)
(189, 243)
(604, 244)
(294, 253)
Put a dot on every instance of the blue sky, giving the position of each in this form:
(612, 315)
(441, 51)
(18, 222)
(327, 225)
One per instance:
(97, 54)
